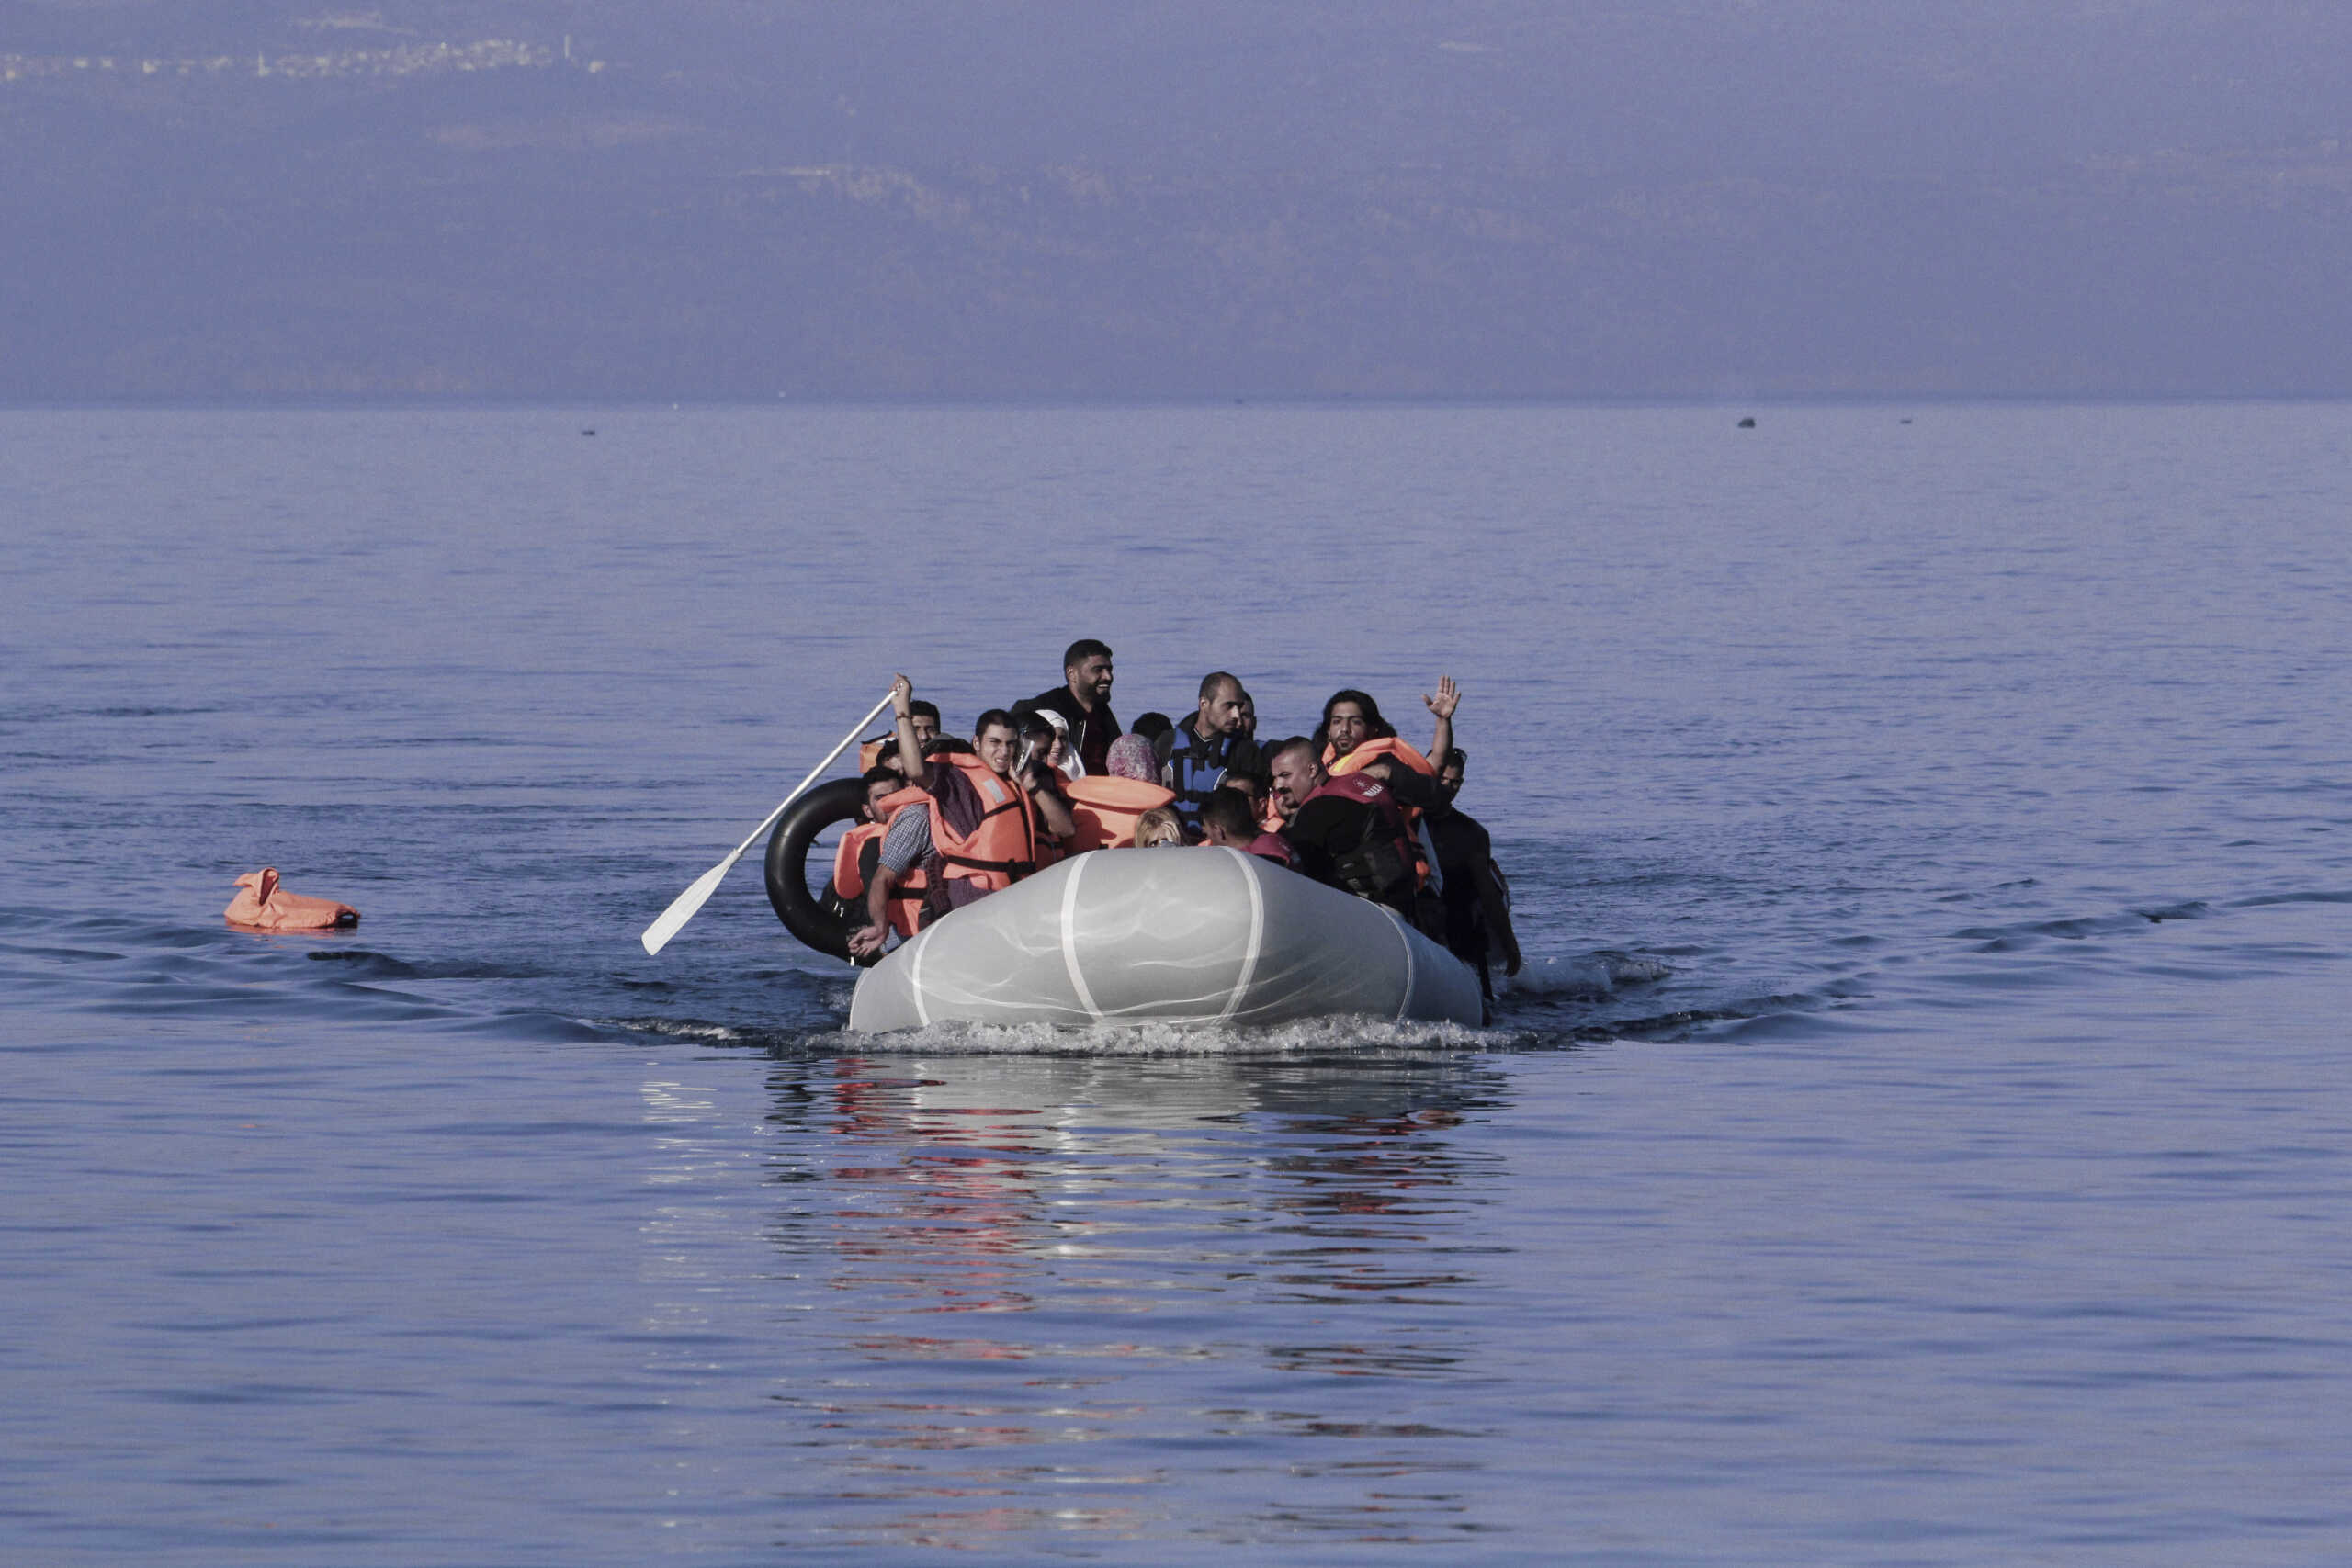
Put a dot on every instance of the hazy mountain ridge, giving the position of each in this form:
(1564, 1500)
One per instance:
(401, 60)
(757, 200)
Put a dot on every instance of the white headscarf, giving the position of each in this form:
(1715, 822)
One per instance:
(1073, 766)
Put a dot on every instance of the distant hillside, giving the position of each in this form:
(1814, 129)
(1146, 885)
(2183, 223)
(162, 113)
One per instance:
(706, 201)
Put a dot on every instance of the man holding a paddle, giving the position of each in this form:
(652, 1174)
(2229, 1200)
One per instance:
(977, 832)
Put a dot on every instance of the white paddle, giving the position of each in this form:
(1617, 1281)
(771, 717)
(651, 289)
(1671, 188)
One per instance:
(684, 908)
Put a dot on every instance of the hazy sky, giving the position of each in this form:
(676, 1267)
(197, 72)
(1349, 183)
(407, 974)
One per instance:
(726, 197)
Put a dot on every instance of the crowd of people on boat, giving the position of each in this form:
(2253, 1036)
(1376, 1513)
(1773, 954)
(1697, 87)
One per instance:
(1353, 804)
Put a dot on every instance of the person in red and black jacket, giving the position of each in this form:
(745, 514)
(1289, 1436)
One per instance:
(1350, 831)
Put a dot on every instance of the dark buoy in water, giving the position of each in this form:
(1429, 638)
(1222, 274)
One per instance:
(1906, 421)
(1747, 424)
(587, 433)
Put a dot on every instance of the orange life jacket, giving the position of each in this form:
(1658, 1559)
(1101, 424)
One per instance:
(1403, 752)
(1372, 751)
(264, 906)
(849, 881)
(1002, 848)
(1107, 808)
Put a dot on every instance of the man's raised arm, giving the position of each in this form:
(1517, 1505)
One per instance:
(1448, 698)
(910, 757)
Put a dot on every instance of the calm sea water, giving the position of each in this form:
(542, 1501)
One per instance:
(1969, 1188)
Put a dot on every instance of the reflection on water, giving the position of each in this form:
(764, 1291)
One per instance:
(1041, 1287)
(1975, 1195)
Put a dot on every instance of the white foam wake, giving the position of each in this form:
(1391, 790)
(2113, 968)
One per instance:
(1303, 1037)
(1589, 977)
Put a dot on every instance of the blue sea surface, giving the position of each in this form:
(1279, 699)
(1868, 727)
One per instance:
(1923, 1134)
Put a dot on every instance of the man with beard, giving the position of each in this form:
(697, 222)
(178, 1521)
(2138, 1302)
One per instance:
(1209, 744)
(1083, 699)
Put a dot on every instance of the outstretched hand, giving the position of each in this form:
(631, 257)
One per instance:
(865, 941)
(1448, 698)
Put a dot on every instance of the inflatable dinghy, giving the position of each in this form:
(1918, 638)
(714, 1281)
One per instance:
(1166, 936)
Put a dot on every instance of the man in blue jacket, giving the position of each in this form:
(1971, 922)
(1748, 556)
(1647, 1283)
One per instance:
(1212, 742)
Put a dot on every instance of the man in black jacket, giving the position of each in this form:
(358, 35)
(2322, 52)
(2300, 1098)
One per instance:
(1084, 700)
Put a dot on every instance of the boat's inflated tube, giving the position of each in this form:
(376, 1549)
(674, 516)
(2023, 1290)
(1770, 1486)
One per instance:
(1165, 936)
(804, 914)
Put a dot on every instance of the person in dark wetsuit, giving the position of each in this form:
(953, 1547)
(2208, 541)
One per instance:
(1349, 832)
(1083, 699)
(1478, 904)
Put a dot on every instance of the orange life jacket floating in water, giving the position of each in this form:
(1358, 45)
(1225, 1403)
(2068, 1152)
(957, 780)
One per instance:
(264, 906)
(1002, 848)
(1107, 807)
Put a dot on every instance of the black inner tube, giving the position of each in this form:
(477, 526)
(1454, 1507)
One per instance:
(823, 923)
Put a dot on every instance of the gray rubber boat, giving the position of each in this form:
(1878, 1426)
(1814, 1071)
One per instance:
(1167, 936)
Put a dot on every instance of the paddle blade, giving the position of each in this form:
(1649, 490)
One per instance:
(684, 907)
